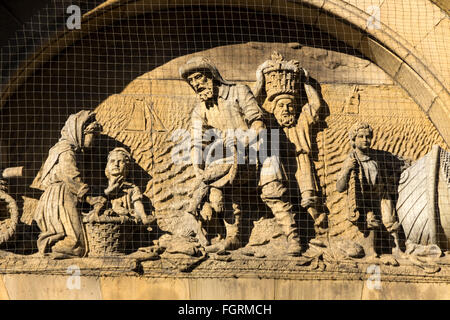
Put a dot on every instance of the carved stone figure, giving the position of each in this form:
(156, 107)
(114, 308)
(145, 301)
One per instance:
(125, 197)
(368, 177)
(105, 223)
(57, 214)
(228, 108)
(280, 81)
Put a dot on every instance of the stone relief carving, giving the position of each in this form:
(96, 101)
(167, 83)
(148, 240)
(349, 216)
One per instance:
(124, 199)
(282, 82)
(369, 178)
(232, 110)
(57, 214)
(106, 223)
(8, 225)
(423, 205)
(230, 129)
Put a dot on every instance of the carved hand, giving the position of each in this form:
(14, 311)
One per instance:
(350, 164)
(114, 183)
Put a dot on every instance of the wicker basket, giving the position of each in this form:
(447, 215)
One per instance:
(105, 239)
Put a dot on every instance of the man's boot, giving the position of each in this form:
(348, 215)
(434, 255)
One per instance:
(320, 227)
(232, 240)
(393, 231)
(396, 250)
(294, 247)
(282, 211)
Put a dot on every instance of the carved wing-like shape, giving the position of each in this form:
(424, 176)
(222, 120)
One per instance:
(423, 205)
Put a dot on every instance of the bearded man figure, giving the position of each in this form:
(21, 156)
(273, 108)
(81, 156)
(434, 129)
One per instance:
(228, 108)
(279, 81)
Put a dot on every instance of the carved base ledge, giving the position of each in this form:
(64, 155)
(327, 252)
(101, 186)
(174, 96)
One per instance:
(235, 266)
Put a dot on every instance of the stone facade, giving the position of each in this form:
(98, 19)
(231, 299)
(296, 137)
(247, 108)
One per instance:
(161, 218)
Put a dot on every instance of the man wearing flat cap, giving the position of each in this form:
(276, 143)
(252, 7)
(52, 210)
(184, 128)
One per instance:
(229, 108)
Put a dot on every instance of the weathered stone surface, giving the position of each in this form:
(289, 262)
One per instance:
(380, 55)
(241, 289)
(413, 83)
(412, 21)
(51, 287)
(435, 51)
(136, 288)
(145, 123)
(146, 102)
(239, 63)
(406, 291)
(323, 290)
(3, 292)
(18, 263)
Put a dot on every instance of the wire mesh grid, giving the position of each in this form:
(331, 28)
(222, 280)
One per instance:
(337, 194)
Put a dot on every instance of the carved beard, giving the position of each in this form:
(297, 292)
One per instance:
(206, 90)
(286, 120)
(206, 94)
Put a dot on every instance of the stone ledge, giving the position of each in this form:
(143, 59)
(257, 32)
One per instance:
(148, 288)
(32, 277)
(211, 268)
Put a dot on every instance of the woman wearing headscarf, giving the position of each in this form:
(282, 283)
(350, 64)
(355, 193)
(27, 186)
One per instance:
(56, 214)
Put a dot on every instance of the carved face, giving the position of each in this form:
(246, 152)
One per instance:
(117, 164)
(363, 139)
(284, 112)
(202, 84)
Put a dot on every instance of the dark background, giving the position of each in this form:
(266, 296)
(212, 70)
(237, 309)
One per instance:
(14, 14)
